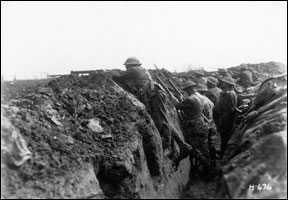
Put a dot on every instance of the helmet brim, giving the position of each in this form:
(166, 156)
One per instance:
(187, 87)
(230, 83)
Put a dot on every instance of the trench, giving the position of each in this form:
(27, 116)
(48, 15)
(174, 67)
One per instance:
(194, 187)
(128, 165)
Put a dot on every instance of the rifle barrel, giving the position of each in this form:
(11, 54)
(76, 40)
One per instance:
(170, 82)
(162, 84)
(83, 72)
(159, 70)
(175, 88)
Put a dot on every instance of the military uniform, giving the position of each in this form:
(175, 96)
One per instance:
(195, 128)
(246, 79)
(214, 94)
(139, 82)
(159, 113)
(208, 113)
(223, 74)
(135, 79)
(225, 112)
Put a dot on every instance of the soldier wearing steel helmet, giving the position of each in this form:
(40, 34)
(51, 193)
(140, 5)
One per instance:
(245, 77)
(199, 77)
(223, 73)
(194, 126)
(208, 114)
(225, 111)
(136, 77)
(213, 92)
(153, 96)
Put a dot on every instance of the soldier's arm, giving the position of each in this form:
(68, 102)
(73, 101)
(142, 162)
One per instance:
(127, 75)
(182, 105)
(230, 103)
(211, 97)
(233, 99)
(124, 76)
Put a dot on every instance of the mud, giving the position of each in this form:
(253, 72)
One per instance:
(125, 157)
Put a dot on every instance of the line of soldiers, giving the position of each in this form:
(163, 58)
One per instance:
(206, 110)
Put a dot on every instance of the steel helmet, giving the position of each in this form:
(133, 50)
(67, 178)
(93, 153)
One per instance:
(202, 88)
(188, 85)
(244, 67)
(222, 70)
(229, 80)
(199, 72)
(212, 80)
(132, 61)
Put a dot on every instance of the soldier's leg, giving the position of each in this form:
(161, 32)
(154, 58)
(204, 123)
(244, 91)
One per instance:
(225, 136)
(201, 133)
(212, 146)
(222, 137)
(203, 146)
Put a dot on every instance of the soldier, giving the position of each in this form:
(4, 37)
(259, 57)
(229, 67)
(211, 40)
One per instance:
(245, 77)
(199, 77)
(136, 78)
(225, 111)
(223, 73)
(138, 81)
(213, 91)
(208, 116)
(195, 129)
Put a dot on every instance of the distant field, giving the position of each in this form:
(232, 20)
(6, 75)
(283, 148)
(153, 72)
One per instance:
(29, 82)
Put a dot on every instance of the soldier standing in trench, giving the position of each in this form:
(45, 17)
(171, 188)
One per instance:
(225, 111)
(195, 128)
(138, 81)
(199, 77)
(213, 92)
(245, 77)
(223, 73)
(208, 114)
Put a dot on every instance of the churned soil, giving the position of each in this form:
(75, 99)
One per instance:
(53, 118)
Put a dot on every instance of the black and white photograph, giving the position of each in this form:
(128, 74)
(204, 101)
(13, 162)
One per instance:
(143, 99)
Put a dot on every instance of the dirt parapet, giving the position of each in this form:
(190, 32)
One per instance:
(89, 139)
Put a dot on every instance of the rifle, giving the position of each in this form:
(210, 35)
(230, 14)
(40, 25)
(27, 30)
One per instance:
(176, 89)
(57, 75)
(83, 72)
(164, 86)
(159, 70)
(179, 95)
(169, 93)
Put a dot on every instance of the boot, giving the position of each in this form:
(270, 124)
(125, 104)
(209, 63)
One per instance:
(185, 149)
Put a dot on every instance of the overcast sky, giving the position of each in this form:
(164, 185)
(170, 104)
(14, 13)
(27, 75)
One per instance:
(39, 38)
